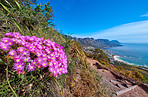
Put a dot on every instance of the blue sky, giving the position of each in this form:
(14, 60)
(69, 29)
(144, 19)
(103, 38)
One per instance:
(124, 20)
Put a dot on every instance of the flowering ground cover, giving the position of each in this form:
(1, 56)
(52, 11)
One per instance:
(32, 53)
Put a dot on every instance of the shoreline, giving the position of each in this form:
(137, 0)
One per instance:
(116, 58)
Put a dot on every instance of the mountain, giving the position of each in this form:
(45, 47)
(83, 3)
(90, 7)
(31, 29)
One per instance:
(115, 41)
(97, 43)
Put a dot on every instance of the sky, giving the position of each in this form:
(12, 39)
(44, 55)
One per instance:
(123, 20)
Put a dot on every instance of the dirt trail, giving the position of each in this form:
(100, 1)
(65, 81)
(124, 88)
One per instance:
(119, 88)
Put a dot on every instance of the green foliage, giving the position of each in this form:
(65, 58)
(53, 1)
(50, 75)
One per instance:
(35, 21)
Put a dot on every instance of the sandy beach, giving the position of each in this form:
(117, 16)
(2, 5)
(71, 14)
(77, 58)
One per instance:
(116, 57)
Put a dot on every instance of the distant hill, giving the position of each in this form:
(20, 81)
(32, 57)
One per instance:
(97, 43)
(115, 41)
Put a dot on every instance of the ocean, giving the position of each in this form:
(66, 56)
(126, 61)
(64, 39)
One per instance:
(132, 53)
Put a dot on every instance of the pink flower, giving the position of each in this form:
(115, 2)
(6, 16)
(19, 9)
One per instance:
(12, 53)
(18, 59)
(78, 70)
(27, 45)
(44, 58)
(39, 46)
(44, 64)
(16, 35)
(18, 41)
(38, 54)
(13, 40)
(10, 43)
(26, 53)
(1, 43)
(47, 51)
(69, 61)
(5, 40)
(4, 47)
(23, 38)
(23, 43)
(9, 34)
(20, 49)
(39, 66)
(19, 66)
(31, 67)
(27, 59)
(19, 71)
(51, 69)
(50, 64)
(54, 72)
(39, 60)
(31, 39)
(44, 55)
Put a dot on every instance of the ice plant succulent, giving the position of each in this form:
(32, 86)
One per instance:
(31, 53)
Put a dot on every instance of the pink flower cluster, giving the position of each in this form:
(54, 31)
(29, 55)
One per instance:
(33, 52)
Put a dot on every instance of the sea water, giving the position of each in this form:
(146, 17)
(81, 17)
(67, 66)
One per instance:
(132, 53)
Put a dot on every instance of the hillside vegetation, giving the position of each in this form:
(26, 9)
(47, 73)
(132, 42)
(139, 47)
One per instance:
(29, 19)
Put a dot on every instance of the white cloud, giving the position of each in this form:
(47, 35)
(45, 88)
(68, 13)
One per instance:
(144, 15)
(137, 31)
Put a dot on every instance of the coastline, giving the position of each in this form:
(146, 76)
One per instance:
(116, 58)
